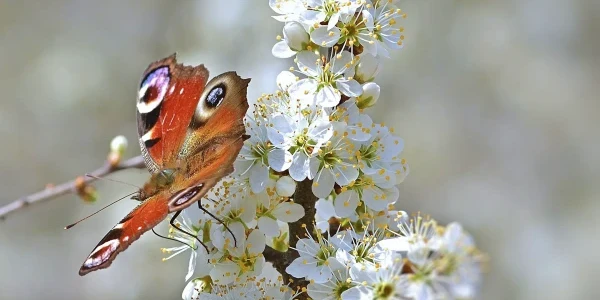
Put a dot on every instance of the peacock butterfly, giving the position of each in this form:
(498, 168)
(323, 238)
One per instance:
(190, 133)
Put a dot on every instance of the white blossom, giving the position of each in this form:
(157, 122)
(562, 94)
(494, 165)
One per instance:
(326, 81)
(367, 68)
(317, 260)
(384, 32)
(296, 138)
(334, 163)
(288, 10)
(255, 157)
(384, 281)
(239, 262)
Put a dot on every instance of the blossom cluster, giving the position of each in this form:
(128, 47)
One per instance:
(414, 258)
(314, 127)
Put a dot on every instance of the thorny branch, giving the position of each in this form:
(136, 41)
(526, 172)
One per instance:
(68, 187)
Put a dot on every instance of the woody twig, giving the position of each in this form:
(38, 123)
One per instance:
(79, 185)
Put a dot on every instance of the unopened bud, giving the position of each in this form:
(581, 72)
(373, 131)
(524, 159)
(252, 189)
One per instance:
(118, 146)
(369, 96)
(367, 69)
(85, 191)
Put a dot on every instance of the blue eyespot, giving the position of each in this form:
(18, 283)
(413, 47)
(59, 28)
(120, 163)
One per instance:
(215, 96)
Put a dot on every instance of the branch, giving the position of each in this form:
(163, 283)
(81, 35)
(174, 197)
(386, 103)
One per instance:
(68, 187)
(280, 260)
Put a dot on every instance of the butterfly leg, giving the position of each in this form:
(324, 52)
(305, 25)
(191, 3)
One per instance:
(172, 222)
(218, 220)
(172, 239)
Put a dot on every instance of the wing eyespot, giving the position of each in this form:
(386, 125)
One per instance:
(210, 101)
(153, 90)
(215, 96)
(184, 197)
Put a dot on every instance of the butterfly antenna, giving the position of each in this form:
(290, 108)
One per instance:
(71, 225)
(113, 180)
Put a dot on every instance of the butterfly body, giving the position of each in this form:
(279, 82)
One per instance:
(190, 133)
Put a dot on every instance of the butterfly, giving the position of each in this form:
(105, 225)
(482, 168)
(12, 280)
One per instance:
(190, 133)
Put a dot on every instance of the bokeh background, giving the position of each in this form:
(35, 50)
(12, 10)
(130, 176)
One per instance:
(497, 102)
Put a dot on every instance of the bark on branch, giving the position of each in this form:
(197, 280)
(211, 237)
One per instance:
(53, 192)
(280, 260)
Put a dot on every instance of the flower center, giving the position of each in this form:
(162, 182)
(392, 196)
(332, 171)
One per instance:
(302, 142)
(384, 290)
(323, 254)
(327, 78)
(351, 30)
(341, 287)
(330, 7)
(368, 153)
(447, 264)
(330, 159)
(260, 151)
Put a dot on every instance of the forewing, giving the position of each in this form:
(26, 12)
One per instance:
(167, 99)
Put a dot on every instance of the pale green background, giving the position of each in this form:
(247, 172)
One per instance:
(497, 102)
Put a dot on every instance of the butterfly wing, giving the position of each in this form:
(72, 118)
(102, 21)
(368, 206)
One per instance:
(143, 218)
(167, 100)
(215, 135)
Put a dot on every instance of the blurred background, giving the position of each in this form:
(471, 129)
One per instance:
(497, 102)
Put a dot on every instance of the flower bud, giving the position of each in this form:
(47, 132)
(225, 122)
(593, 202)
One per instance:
(369, 96)
(285, 186)
(85, 191)
(367, 68)
(295, 36)
(118, 144)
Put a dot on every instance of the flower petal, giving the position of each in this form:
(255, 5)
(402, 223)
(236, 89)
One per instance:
(299, 168)
(346, 203)
(328, 96)
(280, 159)
(324, 37)
(341, 62)
(282, 50)
(285, 79)
(259, 174)
(350, 88)
(295, 35)
(286, 186)
(191, 265)
(268, 226)
(308, 63)
(289, 212)
(225, 272)
(256, 242)
(323, 183)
